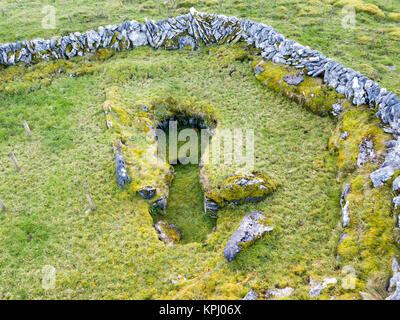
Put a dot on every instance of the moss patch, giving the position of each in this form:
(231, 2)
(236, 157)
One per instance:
(312, 93)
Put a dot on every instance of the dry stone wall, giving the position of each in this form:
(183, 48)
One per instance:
(195, 28)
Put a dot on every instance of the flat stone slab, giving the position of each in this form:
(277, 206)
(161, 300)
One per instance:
(251, 228)
(294, 79)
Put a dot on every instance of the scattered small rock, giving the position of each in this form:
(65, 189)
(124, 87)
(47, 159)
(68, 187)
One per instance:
(161, 203)
(316, 288)
(167, 232)
(147, 192)
(337, 109)
(344, 135)
(367, 153)
(251, 295)
(394, 281)
(342, 237)
(279, 293)
(178, 280)
(251, 228)
(258, 70)
(345, 192)
(345, 215)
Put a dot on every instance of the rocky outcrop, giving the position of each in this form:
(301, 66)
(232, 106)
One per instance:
(252, 227)
(167, 232)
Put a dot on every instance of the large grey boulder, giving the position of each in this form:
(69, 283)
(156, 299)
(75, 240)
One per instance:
(251, 228)
(380, 176)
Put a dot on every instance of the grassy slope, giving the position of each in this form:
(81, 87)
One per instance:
(115, 253)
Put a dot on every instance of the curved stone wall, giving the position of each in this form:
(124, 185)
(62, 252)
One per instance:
(195, 28)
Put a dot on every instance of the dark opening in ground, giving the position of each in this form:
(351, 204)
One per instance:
(185, 208)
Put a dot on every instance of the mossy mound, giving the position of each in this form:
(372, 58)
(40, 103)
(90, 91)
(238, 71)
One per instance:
(369, 244)
(354, 126)
(247, 187)
(134, 136)
(243, 188)
(312, 93)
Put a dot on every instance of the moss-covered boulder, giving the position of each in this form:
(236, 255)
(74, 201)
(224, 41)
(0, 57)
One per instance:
(238, 188)
(167, 232)
(248, 187)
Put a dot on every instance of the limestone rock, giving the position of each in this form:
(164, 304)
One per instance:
(161, 203)
(147, 192)
(251, 295)
(167, 232)
(316, 288)
(294, 79)
(367, 153)
(248, 187)
(210, 207)
(380, 176)
(396, 201)
(251, 228)
(394, 281)
(396, 184)
(345, 192)
(279, 293)
(186, 43)
(345, 215)
(337, 109)
(344, 135)
(122, 175)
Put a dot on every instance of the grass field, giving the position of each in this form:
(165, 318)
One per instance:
(114, 252)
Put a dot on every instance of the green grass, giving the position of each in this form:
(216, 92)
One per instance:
(185, 205)
(114, 252)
